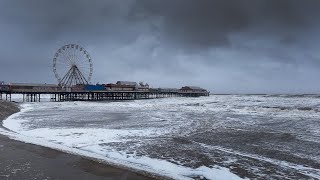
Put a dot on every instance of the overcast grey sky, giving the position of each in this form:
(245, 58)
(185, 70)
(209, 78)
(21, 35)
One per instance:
(226, 46)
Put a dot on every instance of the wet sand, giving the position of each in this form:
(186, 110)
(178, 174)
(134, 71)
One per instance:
(19, 160)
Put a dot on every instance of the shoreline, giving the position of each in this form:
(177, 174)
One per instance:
(20, 160)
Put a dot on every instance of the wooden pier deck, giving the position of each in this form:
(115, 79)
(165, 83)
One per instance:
(35, 96)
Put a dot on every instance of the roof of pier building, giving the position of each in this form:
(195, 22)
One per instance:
(127, 83)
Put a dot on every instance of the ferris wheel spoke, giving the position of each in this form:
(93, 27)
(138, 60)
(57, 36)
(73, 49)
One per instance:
(62, 63)
(69, 56)
(76, 57)
(80, 56)
(62, 67)
(74, 53)
(83, 66)
(66, 57)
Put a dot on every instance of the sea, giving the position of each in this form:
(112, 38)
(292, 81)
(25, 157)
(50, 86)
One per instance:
(215, 137)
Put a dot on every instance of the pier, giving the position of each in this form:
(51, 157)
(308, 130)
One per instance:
(75, 84)
(58, 96)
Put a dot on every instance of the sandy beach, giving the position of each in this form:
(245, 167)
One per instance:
(26, 161)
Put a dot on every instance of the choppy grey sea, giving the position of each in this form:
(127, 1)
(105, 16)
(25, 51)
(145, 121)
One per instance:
(216, 137)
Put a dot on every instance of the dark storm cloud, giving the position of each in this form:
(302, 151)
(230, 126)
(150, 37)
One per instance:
(208, 23)
(225, 45)
(46, 20)
(203, 23)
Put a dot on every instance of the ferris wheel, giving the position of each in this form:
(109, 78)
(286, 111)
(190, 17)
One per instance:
(72, 65)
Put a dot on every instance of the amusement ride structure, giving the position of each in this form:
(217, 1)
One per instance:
(72, 65)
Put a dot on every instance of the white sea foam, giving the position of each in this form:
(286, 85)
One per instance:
(91, 141)
(87, 142)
